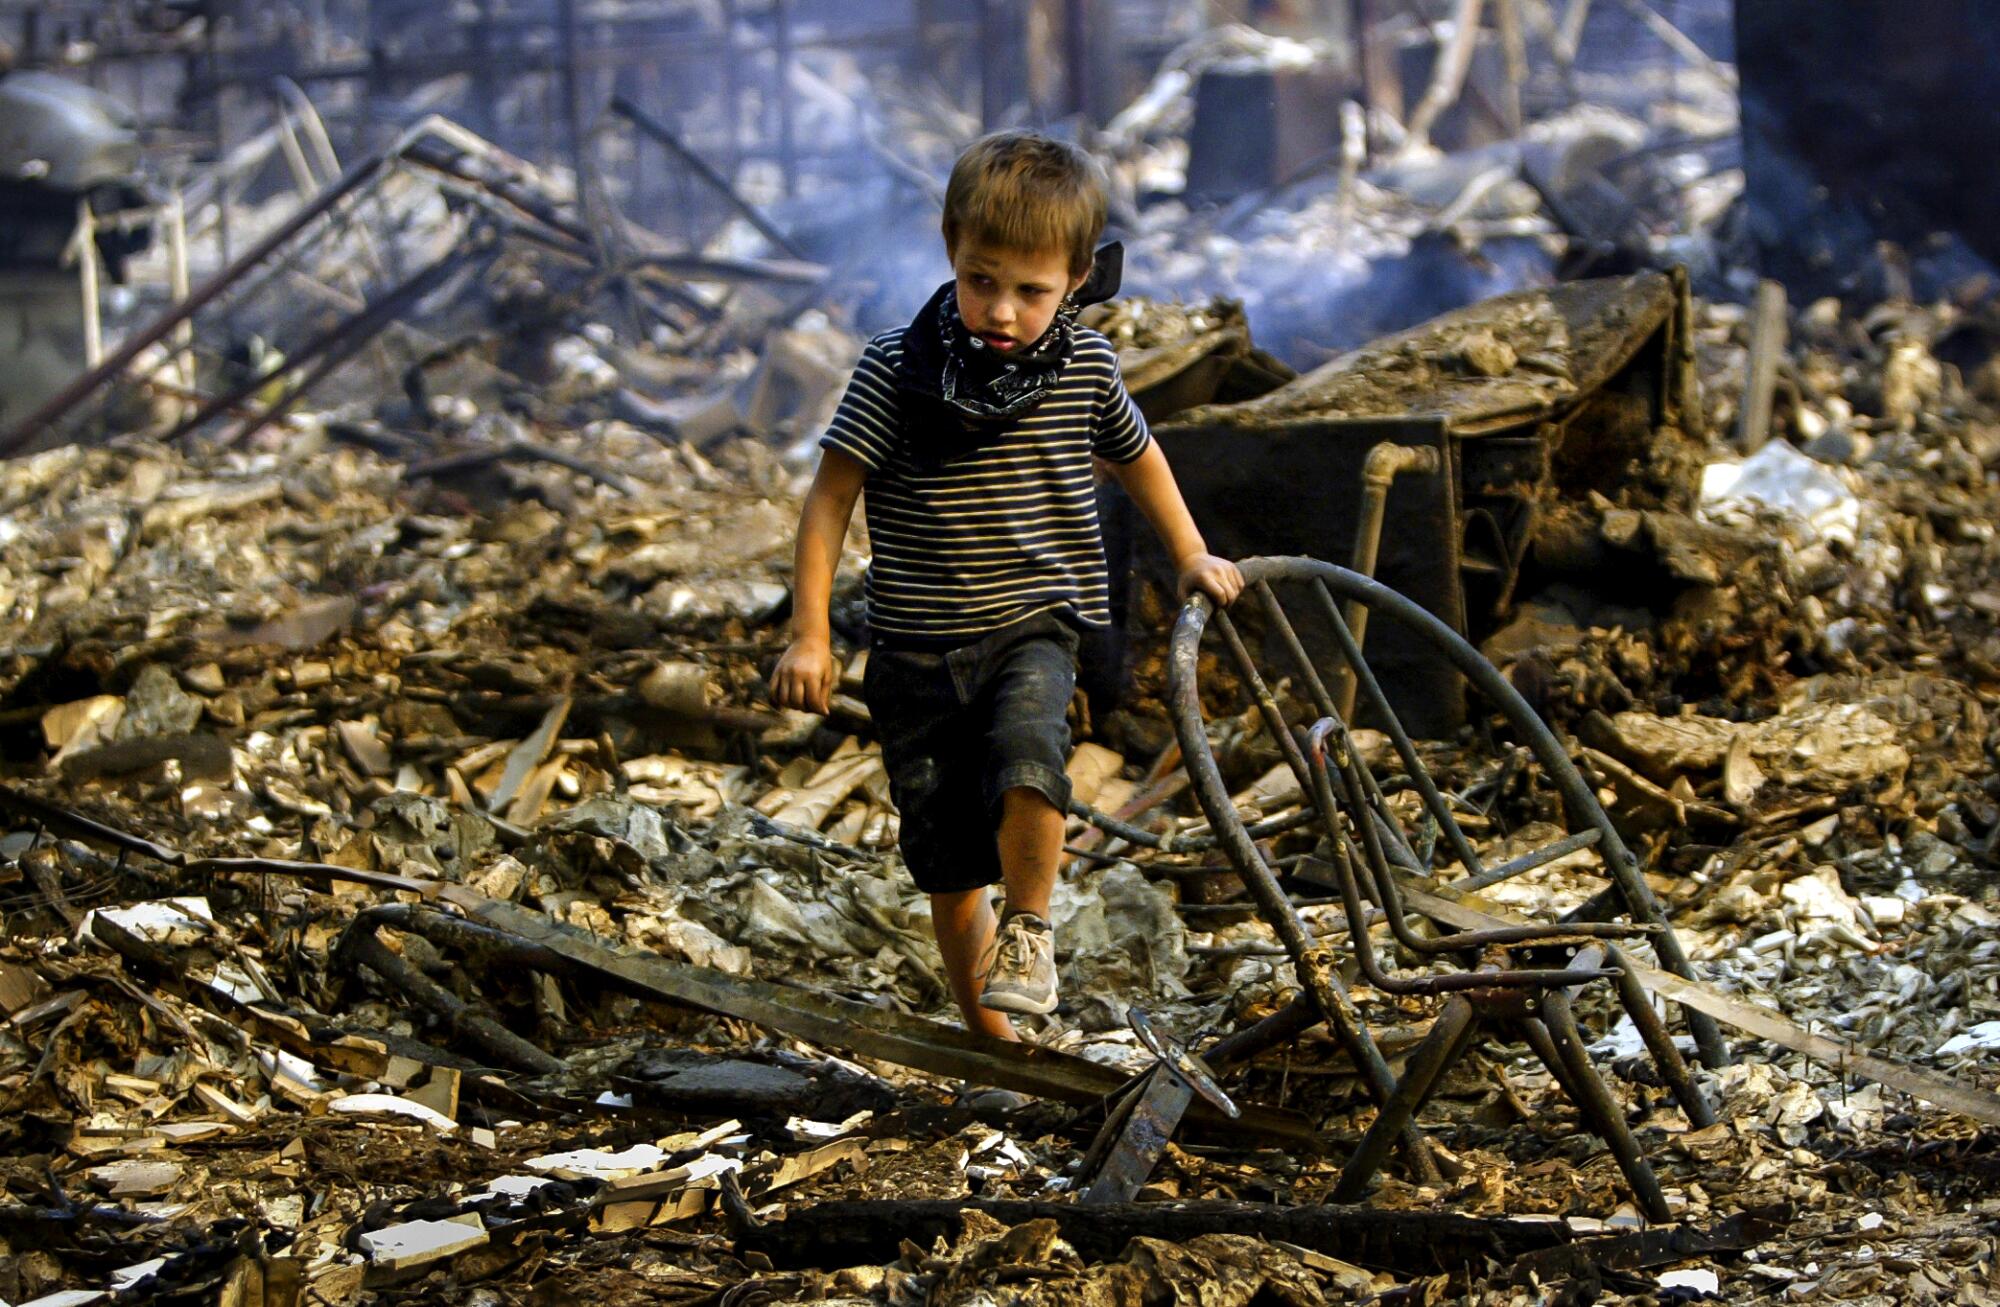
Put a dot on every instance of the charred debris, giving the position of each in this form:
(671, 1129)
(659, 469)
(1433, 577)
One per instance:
(412, 896)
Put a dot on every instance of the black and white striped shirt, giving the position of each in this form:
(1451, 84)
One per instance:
(998, 533)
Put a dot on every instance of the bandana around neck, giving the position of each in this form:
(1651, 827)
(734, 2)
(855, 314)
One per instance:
(965, 390)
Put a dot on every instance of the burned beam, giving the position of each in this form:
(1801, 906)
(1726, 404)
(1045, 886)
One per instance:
(63, 821)
(1760, 372)
(1647, 1248)
(838, 1022)
(705, 170)
(338, 343)
(361, 946)
(1405, 1242)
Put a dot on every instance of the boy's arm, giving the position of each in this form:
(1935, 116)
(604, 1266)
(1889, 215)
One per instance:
(804, 677)
(1151, 484)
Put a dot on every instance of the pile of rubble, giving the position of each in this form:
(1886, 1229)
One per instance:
(413, 895)
(396, 862)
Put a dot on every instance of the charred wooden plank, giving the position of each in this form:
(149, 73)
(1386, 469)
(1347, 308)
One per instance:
(1408, 1243)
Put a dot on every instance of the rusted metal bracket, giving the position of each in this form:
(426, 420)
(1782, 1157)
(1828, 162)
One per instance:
(1138, 1130)
(1130, 1144)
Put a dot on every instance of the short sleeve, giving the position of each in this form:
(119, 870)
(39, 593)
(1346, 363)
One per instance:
(1118, 431)
(865, 426)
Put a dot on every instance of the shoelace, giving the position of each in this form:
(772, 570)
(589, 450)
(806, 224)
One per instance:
(1014, 948)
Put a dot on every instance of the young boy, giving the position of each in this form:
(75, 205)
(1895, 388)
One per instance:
(975, 430)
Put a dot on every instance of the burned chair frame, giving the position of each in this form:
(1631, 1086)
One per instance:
(1363, 849)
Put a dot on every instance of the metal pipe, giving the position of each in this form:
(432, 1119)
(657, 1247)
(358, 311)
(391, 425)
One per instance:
(177, 286)
(328, 160)
(1527, 862)
(1289, 637)
(1379, 471)
(1388, 895)
(1173, 843)
(1364, 946)
(354, 335)
(1406, 749)
(371, 317)
(86, 265)
(781, 79)
(362, 173)
(303, 180)
(703, 169)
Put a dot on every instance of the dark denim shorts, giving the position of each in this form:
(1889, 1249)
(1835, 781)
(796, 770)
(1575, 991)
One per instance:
(960, 729)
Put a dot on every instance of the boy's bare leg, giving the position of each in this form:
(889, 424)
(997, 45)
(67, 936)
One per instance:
(964, 923)
(1031, 837)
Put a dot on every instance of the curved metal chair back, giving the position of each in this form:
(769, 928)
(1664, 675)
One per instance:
(1368, 849)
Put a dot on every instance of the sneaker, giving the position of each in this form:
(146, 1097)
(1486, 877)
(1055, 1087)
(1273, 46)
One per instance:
(1021, 967)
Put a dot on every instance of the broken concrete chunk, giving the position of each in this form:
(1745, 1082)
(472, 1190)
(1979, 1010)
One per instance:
(418, 1243)
(388, 1105)
(679, 603)
(598, 1164)
(192, 501)
(365, 747)
(156, 705)
(310, 674)
(1483, 354)
(306, 626)
(1664, 747)
(1823, 747)
(686, 689)
(83, 724)
(683, 937)
(135, 1179)
(1090, 767)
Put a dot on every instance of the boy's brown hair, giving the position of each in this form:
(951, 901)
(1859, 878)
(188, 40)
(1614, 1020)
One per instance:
(1026, 192)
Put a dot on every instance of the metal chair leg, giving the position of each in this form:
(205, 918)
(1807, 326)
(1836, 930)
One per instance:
(1595, 1102)
(1421, 1074)
(1638, 1005)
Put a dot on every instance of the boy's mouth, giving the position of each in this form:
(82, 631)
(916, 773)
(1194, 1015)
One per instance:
(994, 341)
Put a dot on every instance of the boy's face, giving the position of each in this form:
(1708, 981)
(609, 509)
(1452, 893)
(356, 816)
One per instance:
(1008, 298)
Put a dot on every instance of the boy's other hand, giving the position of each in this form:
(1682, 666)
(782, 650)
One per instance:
(1215, 577)
(805, 676)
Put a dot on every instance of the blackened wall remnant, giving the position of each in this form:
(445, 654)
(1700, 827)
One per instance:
(1865, 121)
